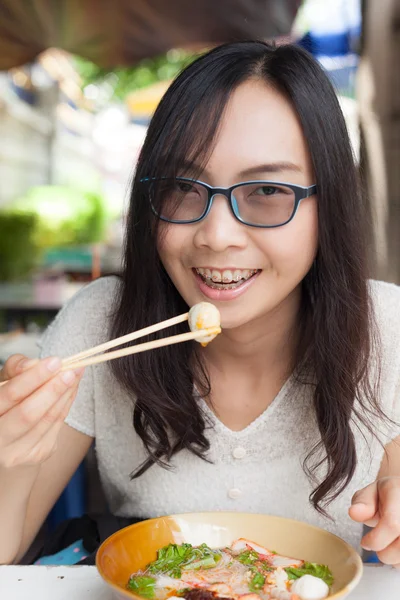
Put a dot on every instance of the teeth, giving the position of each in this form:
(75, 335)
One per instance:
(227, 275)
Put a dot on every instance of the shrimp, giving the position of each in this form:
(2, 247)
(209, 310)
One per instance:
(276, 560)
(223, 590)
(277, 585)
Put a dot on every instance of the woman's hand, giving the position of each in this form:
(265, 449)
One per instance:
(34, 402)
(378, 506)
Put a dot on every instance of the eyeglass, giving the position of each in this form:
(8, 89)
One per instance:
(256, 203)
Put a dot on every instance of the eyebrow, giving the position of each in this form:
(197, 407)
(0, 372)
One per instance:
(277, 167)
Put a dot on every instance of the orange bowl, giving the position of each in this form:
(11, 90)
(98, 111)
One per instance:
(132, 548)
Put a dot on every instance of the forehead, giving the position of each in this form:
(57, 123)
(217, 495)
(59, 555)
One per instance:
(259, 126)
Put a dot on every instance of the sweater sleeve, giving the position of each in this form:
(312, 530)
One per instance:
(79, 326)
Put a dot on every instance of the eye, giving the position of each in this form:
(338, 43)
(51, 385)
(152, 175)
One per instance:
(185, 187)
(266, 190)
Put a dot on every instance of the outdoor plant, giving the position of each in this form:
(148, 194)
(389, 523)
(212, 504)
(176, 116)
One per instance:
(48, 217)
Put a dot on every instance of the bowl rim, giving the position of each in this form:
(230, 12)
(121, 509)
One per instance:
(346, 589)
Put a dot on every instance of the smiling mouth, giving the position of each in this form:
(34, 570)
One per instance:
(227, 279)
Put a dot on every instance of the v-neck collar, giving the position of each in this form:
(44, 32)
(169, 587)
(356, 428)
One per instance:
(220, 427)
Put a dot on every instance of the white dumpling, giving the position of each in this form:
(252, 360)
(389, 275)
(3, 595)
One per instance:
(309, 587)
(202, 316)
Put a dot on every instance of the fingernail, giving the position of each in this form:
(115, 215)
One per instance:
(53, 364)
(79, 372)
(68, 377)
(366, 548)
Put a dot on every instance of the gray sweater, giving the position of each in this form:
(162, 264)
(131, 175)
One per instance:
(258, 469)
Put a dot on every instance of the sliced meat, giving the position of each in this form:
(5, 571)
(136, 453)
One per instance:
(284, 561)
(242, 544)
(200, 594)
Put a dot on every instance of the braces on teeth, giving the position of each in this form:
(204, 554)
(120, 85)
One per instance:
(236, 276)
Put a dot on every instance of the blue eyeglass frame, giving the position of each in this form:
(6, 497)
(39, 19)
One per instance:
(300, 193)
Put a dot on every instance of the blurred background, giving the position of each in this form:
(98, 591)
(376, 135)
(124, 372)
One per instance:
(79, 82)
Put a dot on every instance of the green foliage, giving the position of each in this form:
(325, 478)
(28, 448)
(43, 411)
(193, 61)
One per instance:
(47, 217)
(19, 253)
(64, 215)
(124, 80)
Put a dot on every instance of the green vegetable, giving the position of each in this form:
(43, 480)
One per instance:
(205, 563)
(265, 567)
(142, 585)
(172, 559)
(321, 571)
(248, 557)
(256, 582)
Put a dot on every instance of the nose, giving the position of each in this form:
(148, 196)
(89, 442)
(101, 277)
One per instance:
(220, 229)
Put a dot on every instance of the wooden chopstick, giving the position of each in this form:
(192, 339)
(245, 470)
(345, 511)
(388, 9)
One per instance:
(169, 341)
(126, 338)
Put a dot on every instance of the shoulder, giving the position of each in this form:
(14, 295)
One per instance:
(97, 296)
(385, 299)
(84, 319)
(384, 295)
(386, 305)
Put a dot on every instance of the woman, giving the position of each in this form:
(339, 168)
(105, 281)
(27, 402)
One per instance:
(290, 409)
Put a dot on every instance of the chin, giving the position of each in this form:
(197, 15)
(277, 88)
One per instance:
(233, 321)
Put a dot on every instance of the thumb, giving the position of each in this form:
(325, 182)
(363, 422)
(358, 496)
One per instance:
(364, 505)
(16, 364)
(12, 366)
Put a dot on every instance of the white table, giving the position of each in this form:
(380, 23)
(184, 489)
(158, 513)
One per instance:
(84, 583)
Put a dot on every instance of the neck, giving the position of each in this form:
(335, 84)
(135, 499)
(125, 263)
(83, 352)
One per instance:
(265, 343)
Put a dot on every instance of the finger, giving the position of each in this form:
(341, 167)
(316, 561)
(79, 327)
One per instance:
(60, 409)
(388, 528)
(25, 416)
(38, 443)
(23, 385)
(12, 366)
(67, 406)
(372, 522)
(391, 554)
(360, 512)
(364, 505)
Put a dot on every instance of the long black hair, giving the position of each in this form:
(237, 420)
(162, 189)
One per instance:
(336, 318)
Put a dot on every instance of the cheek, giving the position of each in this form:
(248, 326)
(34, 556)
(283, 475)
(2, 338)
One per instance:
(171, 245)
(292, 248)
